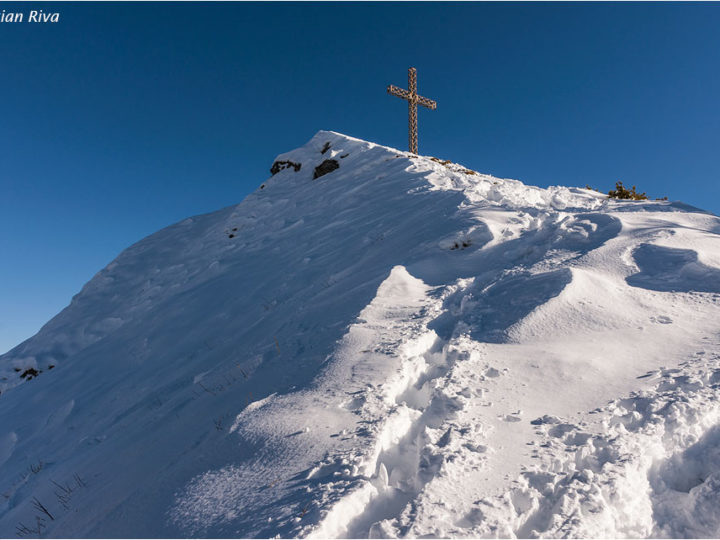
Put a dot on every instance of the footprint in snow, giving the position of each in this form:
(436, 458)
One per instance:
(577, 439)
(661, 319)
(354, 403)
(546, 419)
(477, 448)
(492, 372)
(472, 518)
(560, 430)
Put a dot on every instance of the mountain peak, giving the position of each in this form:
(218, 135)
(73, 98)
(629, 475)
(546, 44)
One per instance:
(368, 337)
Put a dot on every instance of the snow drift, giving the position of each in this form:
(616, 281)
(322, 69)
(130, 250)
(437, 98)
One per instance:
(380, 344)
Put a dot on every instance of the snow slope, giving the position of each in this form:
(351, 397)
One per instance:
(400, 347)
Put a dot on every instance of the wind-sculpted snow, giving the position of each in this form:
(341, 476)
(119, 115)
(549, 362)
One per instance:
(672, 269)
(399, 347)
(488, 311)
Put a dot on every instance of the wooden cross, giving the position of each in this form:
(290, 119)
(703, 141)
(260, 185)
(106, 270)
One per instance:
(413, 100)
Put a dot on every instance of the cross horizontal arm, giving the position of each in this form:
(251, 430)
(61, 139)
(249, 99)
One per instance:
(425, 102)
(399, 92)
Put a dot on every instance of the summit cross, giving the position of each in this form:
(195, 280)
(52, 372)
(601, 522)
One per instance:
(413, 100)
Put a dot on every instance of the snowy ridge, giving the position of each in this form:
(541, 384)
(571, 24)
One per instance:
(377, 344)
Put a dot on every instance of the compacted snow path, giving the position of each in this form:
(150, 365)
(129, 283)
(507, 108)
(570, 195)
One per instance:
(377, 344)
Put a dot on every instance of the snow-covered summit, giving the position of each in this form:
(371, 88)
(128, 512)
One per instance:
(377, 343)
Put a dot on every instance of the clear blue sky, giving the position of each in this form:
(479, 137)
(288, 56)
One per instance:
(124, 118)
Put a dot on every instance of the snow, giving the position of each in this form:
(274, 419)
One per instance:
(400, 347)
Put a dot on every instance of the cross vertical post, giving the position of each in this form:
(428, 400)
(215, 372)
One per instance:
(412, 110)
(413, 100)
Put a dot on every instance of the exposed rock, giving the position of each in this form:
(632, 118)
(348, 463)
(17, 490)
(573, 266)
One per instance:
(464, 244)
(441, 161)
(30, 373)
(325, 148)
(327, 166)
(280, 165)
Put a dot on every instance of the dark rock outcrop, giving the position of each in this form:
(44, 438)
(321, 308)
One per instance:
(280, 165)
(327, 166)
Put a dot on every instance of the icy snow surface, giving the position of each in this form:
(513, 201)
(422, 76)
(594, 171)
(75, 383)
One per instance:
(398, 348)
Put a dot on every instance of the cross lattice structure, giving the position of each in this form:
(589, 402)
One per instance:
(413, 100)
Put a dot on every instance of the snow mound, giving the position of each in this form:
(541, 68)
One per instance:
(378, 344)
